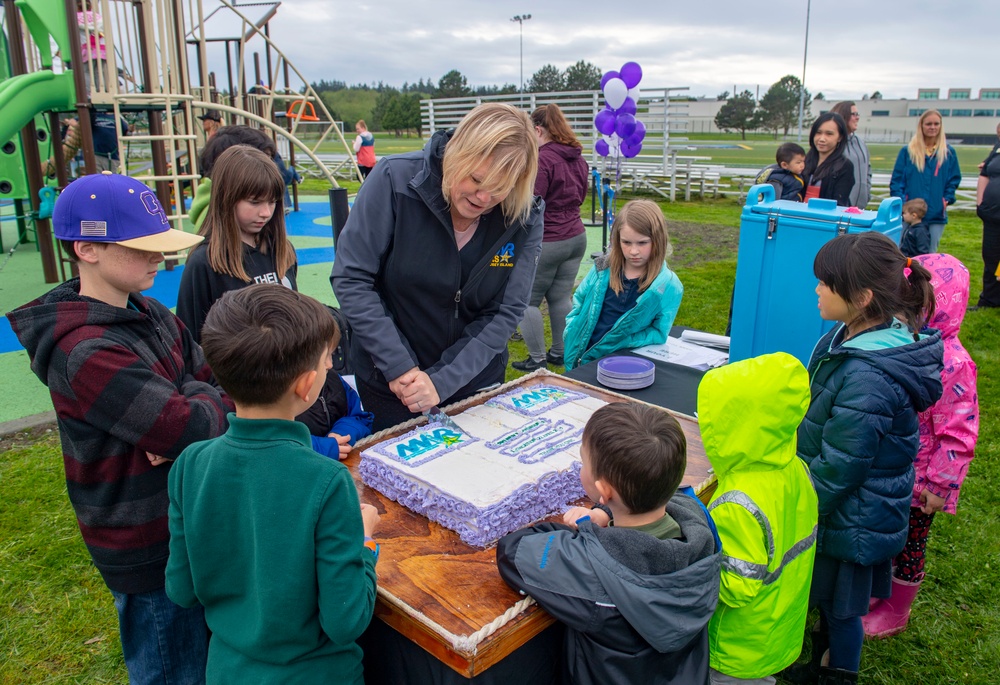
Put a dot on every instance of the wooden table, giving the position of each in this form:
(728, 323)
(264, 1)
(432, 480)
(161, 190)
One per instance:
(433, 587)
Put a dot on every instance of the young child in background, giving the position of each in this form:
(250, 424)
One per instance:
(636, 597)
(265, 534)
(948, 434)
(245, 243)
(870, 377)
(630, 297)
(915, 238)
(131, 390)
(765, 510)
(786, 174)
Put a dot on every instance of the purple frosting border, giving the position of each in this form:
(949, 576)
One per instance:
(476, 527)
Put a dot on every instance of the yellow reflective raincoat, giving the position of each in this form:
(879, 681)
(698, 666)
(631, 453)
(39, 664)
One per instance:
(765, 509)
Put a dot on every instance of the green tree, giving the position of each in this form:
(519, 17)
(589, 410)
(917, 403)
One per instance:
(779, 108)
(452, 85)
(382, 109)
(738, 114)
(548, 79)
(582, 76)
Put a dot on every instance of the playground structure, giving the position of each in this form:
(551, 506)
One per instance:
(147, 62)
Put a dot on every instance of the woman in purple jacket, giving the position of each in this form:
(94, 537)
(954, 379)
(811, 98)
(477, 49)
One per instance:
(562, 183)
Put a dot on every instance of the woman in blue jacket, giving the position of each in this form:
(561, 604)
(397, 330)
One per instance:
(630, 297)
(928, 168)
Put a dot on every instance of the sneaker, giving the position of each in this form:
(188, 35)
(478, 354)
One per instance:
(554, 360)
(528, 364)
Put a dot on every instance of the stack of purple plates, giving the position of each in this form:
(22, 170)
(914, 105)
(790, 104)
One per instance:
(626, 373)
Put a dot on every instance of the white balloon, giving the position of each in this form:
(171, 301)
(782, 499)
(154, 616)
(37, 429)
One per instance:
(615, 92)
(634, 94)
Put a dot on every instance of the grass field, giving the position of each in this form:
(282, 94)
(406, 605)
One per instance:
(58, 623)
(757, 151)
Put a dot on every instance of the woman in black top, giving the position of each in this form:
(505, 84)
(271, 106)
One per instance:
(988, 209)
(828, 173)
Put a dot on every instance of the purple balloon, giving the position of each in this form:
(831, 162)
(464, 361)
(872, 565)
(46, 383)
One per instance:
(601, 147)
(625, 125)
(630, 151)
(631, 74)
(638, 134)
(628, 107)
(607, 77)
(605, 122)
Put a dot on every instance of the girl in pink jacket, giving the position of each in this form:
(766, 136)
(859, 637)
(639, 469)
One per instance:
(948, 433)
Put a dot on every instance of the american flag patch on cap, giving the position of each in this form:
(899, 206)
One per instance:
(94, 228)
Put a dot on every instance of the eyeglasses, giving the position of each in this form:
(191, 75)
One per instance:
(856, 114)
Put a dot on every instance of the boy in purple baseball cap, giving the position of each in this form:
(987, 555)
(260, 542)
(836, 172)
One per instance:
(131, 389)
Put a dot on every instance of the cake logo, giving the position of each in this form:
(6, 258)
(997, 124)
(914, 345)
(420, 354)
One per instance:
(423, 445)
(536, 400)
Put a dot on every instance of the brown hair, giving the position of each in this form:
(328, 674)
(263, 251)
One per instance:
(844, 110)
(551, 118)
(503, 134)
(645, 218)
(259, 339)
(917, 206)
(853, 263)
(244, 173)
(638, 450)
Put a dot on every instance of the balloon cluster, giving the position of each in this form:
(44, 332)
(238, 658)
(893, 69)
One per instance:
(621, 133)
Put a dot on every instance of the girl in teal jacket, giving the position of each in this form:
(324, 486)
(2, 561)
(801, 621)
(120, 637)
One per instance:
(630, 297)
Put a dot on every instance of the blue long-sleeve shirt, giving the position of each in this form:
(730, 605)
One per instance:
(356, 424)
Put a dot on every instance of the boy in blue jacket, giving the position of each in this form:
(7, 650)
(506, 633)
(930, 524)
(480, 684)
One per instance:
(786, 173)
(636, 596)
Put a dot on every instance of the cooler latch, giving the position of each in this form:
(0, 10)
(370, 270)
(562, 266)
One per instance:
(772, 226)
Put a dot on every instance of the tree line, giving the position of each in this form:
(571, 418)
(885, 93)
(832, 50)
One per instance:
(778, 109)
(397, 110)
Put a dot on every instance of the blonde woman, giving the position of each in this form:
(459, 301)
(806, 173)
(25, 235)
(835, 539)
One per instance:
(928, 168)
(435, 264)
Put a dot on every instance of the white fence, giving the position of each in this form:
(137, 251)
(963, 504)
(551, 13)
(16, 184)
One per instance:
(664, 115)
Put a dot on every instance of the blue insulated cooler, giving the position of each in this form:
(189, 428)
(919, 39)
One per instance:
(774, 304)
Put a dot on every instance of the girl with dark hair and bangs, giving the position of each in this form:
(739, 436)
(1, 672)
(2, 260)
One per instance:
(244, 231)
(869, 377)
(245, 243)
(829, 173)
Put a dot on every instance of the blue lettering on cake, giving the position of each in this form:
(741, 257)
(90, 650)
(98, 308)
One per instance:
(426, 442)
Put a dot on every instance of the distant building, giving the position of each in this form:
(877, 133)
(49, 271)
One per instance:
(965, 119)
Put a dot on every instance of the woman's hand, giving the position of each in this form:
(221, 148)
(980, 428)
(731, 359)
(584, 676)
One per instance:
(931, 503)
(416, 390)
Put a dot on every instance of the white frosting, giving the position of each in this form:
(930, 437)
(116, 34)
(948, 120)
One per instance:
(507, 448)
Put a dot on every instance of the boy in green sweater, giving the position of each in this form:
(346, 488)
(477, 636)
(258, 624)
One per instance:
(265, 533)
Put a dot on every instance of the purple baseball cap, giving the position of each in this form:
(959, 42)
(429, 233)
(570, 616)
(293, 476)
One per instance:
(111, 208)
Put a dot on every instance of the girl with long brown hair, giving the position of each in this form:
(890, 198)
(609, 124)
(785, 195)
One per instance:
(245, 240)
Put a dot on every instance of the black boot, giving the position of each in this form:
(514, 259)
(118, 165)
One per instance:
(807, 673)
(837, 676)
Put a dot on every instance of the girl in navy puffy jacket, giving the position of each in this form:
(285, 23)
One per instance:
(869, 377)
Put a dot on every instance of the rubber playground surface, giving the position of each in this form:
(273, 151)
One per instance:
(21, 280)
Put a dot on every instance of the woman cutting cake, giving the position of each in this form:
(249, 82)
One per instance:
(435, 264)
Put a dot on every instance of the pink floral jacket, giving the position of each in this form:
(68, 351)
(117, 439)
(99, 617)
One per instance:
(949, 429)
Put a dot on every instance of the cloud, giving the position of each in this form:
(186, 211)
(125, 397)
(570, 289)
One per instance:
(855, 46)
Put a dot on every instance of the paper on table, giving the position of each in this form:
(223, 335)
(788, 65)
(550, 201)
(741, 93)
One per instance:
(703, 338)
(677, 351)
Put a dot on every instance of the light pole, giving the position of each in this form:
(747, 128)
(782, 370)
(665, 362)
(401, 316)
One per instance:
(802, 86)
(520, 19)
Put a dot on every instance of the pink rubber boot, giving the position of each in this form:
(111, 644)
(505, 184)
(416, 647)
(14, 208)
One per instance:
(889, 616)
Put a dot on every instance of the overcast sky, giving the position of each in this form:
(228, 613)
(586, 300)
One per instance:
(855, 46)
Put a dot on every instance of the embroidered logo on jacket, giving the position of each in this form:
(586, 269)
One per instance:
(504, 256)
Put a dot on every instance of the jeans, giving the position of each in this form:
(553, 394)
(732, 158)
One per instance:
(937, 230)
(554, 278)
(846, 636)
(163, 644)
